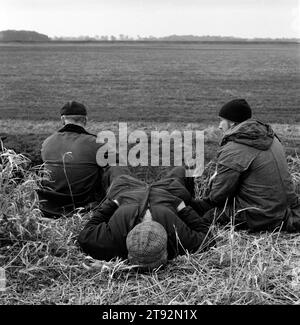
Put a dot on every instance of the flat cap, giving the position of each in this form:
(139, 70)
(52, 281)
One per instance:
(73, 108)
(147, 245)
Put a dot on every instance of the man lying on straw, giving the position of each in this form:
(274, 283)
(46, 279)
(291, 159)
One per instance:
(149, 224)
(252, 186)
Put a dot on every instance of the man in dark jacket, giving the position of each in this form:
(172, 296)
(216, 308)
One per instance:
(252, 186)
(147, 224)
(70, 157)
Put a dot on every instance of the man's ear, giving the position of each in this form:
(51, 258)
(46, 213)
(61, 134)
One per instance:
(62, 119)
(86, 119)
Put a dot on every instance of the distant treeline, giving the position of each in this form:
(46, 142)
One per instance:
(171, 38)
(22, 36)
(32, 36)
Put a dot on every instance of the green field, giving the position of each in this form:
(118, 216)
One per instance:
(150, 82)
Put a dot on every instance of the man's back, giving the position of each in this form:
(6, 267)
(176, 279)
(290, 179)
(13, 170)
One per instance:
(70, 157)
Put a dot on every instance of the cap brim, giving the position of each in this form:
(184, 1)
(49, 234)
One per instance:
(147, 263)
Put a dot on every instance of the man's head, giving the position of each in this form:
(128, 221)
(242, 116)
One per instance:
(234, 112)
(73, 113)
(147, 244)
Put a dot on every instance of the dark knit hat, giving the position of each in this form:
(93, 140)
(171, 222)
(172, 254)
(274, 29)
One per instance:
(73, 108)
(237, 110)
(147, 245)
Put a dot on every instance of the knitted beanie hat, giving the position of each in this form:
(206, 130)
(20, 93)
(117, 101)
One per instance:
(237, 110)
(147, 245)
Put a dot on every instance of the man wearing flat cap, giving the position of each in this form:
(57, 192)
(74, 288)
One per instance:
(252, 186)
(69, 155)
(147, 223)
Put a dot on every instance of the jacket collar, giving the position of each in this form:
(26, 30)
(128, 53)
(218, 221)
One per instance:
(74, 128)
(253, 133)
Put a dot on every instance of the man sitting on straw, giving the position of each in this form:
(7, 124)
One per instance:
(69, 154)
(252, 186)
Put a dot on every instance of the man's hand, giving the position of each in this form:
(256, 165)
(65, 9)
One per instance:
(91, 264)
(181, 206)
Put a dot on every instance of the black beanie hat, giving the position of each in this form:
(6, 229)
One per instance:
(237, 110)
(73, 108)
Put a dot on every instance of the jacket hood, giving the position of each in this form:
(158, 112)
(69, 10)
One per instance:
(252, 133)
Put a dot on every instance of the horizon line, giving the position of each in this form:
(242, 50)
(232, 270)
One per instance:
(137, 36)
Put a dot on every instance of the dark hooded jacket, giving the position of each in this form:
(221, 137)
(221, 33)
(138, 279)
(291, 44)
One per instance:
(104, 236)
(253, 177)
(75, 177)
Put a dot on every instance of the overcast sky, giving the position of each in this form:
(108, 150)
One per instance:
(244, 18)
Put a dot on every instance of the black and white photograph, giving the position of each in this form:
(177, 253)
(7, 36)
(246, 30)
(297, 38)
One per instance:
(149, 155)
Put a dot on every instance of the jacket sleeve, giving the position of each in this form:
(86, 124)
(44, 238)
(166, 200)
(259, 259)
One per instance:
(96, 238)
(103, 212)
(234, 160)
(201, 206)
(224, 186)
